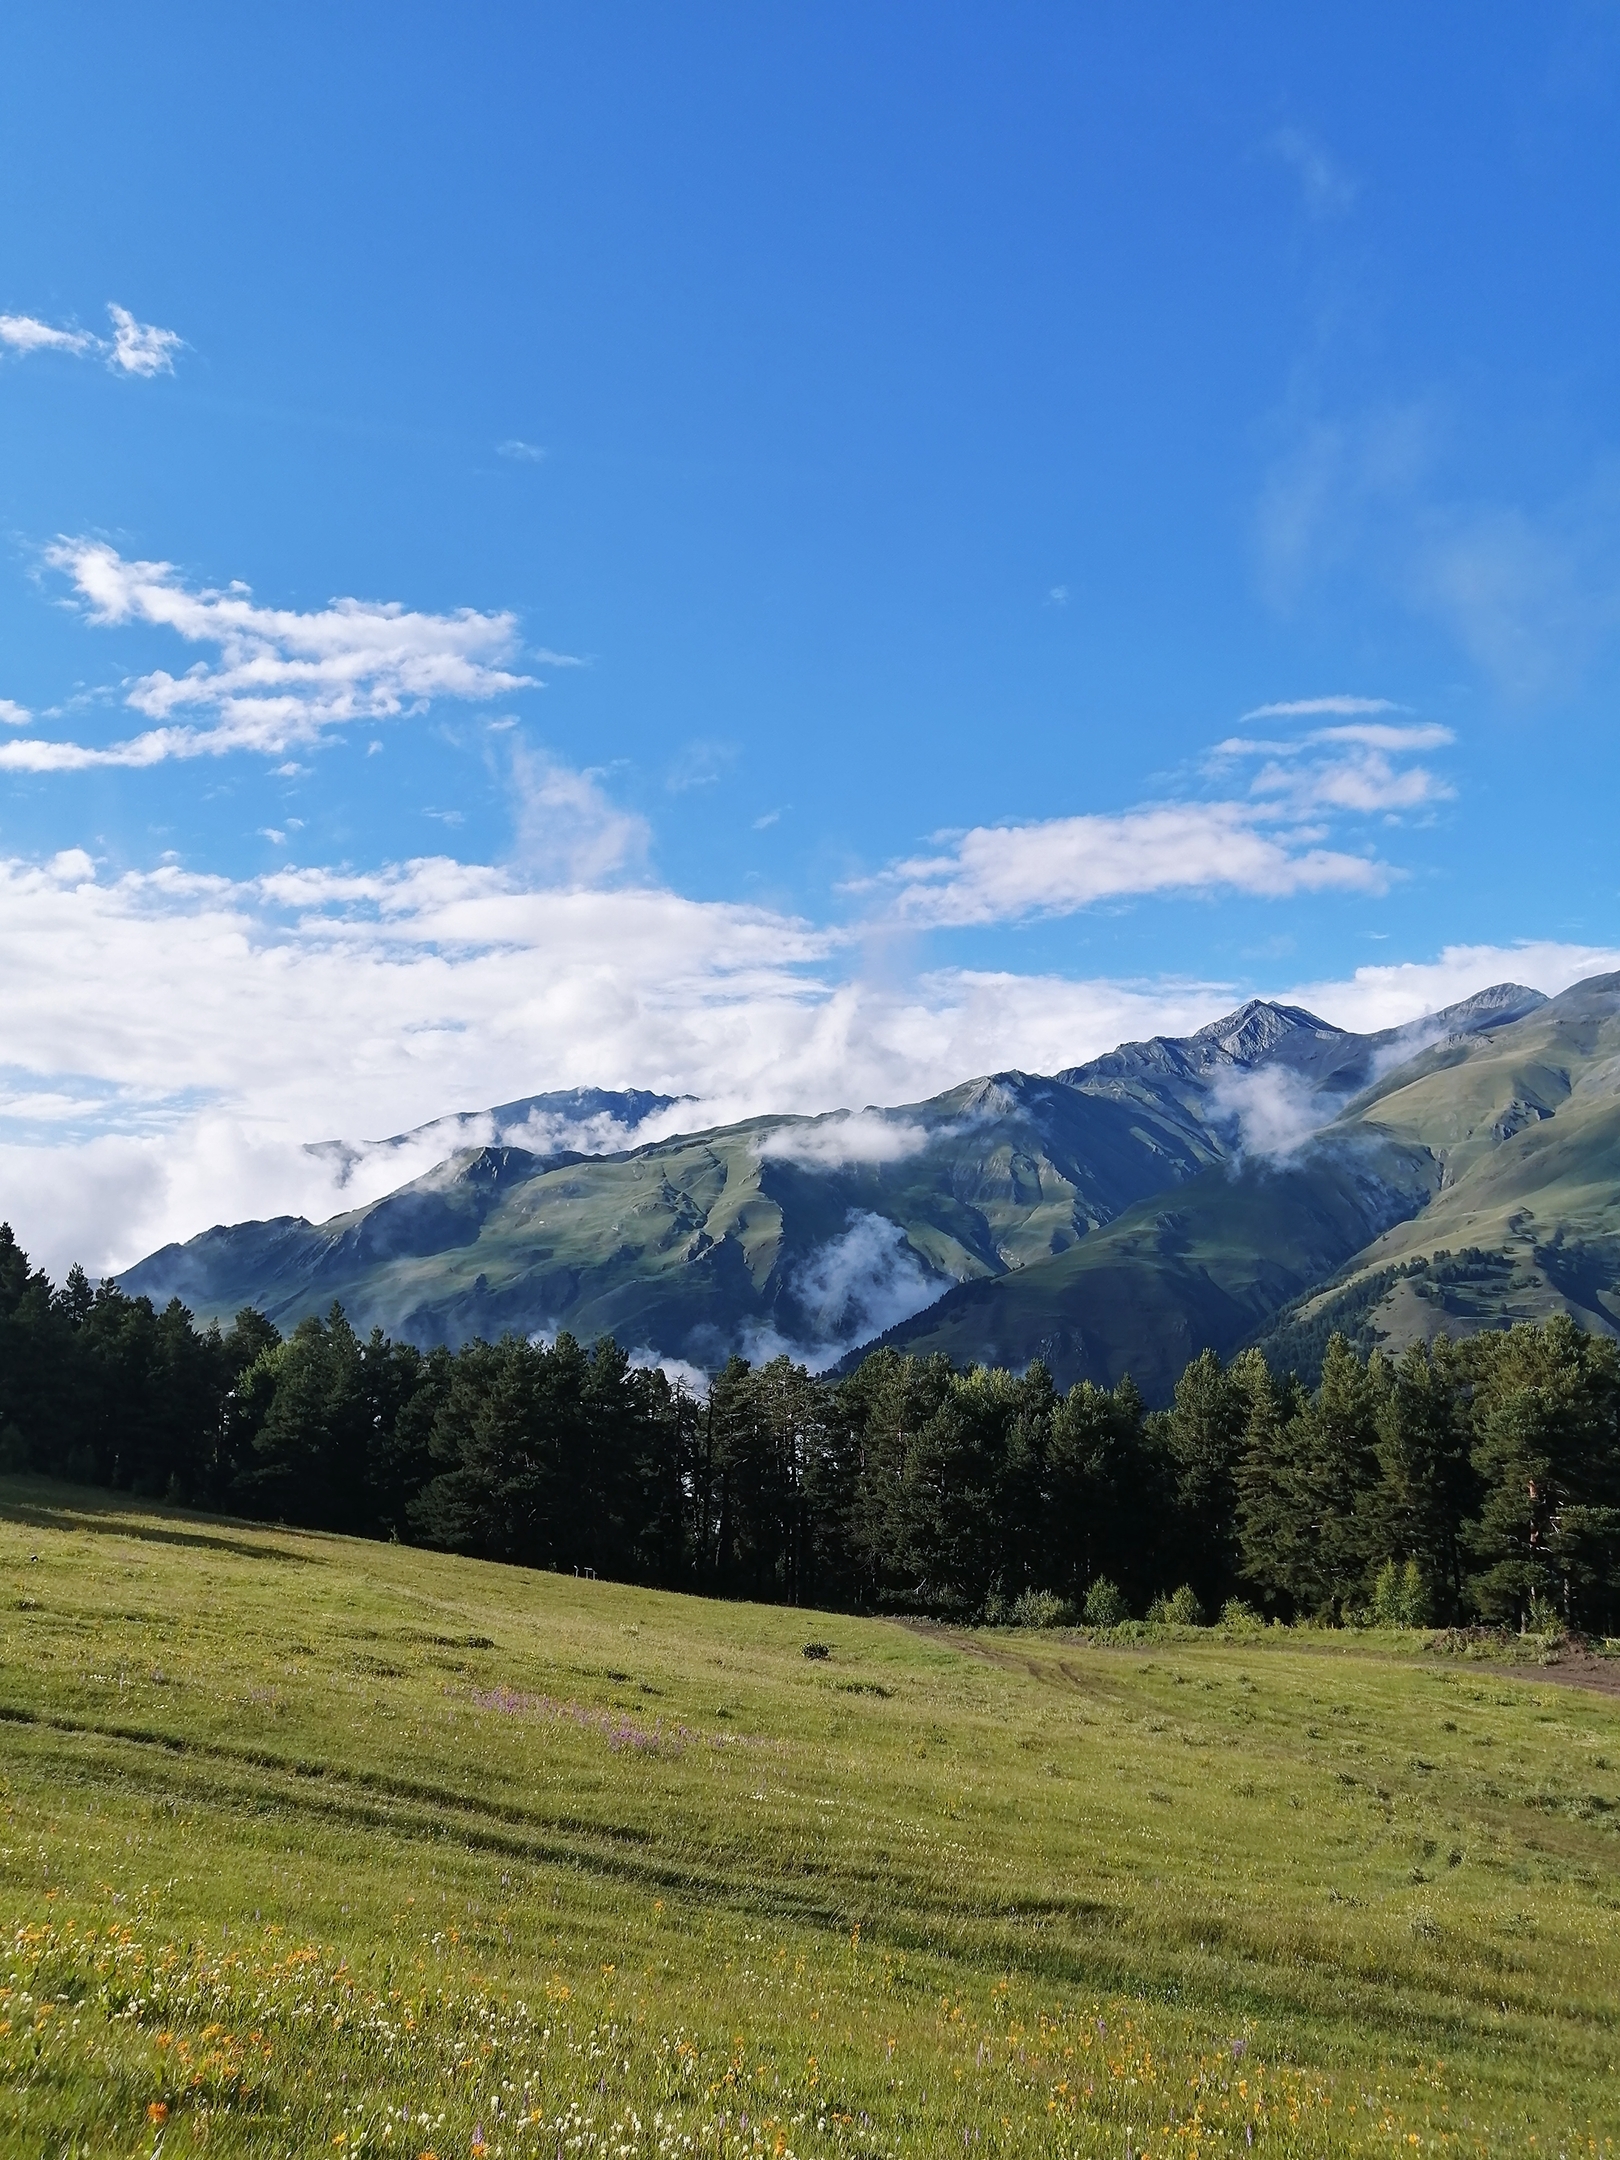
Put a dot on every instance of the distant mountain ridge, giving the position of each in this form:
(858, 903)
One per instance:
(1117, 1215)
(587, 1120)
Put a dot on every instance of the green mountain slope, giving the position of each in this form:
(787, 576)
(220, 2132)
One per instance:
(1526, 1126)
(1501, 1144)
(811, 1232)
(1116, 1216)
(1208, 1266)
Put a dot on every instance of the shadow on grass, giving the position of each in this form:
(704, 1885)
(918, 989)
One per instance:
(112, 1514)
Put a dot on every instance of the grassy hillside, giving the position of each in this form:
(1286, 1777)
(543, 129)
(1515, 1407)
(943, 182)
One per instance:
(312, 1845)
(1527, 1125)
(1503, 1143)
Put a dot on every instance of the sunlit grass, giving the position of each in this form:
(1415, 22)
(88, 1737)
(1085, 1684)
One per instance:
(317, 1846)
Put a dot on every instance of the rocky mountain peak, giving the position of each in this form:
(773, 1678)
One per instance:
(1256, 1029)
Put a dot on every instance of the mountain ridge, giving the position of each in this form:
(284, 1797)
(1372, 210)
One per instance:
(1120, 1213)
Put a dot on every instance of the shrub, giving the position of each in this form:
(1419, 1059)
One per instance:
(1401, 1596)
(1180, 1609)
(1237, 1613)
(1041, 1608)
(1104, 1607)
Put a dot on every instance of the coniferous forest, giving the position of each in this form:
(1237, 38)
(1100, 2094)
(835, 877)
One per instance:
(1471, 1480)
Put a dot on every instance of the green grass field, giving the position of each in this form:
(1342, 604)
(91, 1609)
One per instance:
(315, 1846)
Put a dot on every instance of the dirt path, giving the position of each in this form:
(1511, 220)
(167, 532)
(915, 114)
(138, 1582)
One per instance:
(1574, 1668)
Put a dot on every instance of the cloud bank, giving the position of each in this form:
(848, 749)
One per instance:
(173, 1040)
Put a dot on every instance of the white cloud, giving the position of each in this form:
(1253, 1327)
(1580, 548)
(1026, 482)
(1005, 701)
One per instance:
(1421, 735)
(1000, 873)
(1378, 997)
(1270, 844)
(135, 348)
(569, 832)
(849, 1290)
(281, 678)
(26, 334)
(1366, 780)
(541, 1132)
(1275, 1111)
(13, 714)
(1304, 708)
(522, 453)
(1351, 768)
(691, 1379)
(864, 1282)
(141, 348)
(861, 1136)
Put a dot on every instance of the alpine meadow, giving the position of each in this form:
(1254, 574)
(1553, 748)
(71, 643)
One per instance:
(314, 1844)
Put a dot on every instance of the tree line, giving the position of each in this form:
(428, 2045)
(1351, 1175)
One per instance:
(1460, 1480)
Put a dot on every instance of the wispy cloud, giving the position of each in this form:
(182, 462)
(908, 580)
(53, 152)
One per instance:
(1004, 873)
(1376, 504)
(570, 832)
(1307, 707)
(1270, 842)
(1328, 190)
(1360, 767)
(279, 678)
(520, 452)
(27, 334)
(699, 763)
(847, 1290)
(135, 348)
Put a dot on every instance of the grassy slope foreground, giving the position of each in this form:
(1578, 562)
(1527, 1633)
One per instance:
(318, 1846)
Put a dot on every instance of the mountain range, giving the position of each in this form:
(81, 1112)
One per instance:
(1264, 1179)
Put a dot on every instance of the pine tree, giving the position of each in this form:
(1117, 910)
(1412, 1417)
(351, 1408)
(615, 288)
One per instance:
(1547, 1449)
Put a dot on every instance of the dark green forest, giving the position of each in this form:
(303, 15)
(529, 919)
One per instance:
(1471, 1480)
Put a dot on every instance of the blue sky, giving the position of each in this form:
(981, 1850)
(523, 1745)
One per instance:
(877, 543)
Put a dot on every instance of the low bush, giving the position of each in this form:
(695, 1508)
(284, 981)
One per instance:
(1104, 1606)
(1180, 1609)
